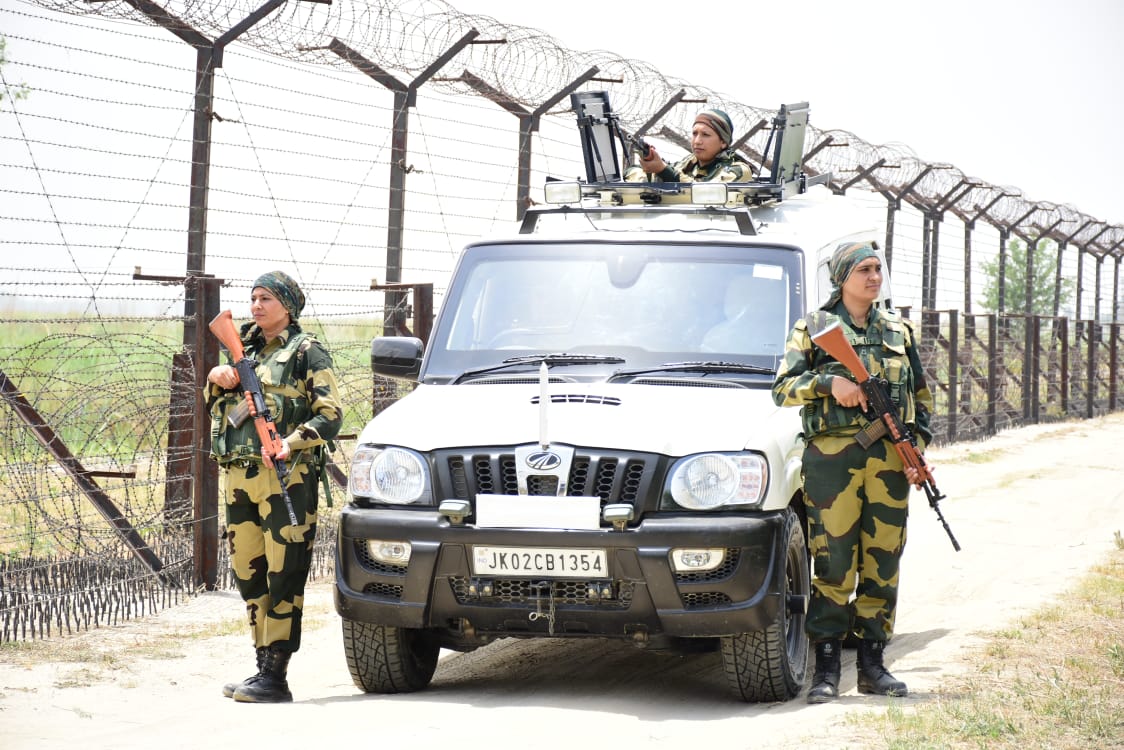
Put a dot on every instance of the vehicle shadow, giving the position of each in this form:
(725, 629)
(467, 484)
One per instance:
(598, 674)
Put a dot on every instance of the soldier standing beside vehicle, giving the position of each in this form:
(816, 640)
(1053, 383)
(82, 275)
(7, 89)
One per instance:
(269, 554)
(857, 499)
(710, 158)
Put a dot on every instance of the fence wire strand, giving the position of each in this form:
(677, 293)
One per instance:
(96, 176)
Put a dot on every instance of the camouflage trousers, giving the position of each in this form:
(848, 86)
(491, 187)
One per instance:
(269, 557)
(857, 503)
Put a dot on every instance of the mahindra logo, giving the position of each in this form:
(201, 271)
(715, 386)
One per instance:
(544, 461)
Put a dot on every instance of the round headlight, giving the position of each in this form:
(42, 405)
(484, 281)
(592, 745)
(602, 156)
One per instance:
(714, 480)
(389, 475)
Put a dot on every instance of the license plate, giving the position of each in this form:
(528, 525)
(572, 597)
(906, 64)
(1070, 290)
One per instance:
(540, 562)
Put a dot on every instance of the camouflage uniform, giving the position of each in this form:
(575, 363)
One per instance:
(726, 167)
(269, 557)
(856, 499)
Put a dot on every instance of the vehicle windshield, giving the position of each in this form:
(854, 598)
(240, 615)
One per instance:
(649, 305)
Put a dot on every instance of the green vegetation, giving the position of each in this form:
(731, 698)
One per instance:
(1043, 286)
(12, 91)
(1053, 680)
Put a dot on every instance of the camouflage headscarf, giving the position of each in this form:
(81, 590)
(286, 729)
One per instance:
(281, 286)
(842, 262)
(719, 122)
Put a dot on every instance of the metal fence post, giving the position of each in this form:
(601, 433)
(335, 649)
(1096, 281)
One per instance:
(953, 373)
(205, 473)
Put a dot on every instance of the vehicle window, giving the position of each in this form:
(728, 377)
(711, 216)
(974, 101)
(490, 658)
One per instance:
(674, 305)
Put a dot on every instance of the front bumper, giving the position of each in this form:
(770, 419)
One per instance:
(641, 597)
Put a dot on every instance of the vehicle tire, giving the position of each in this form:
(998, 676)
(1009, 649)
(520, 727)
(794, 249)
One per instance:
(770, 664)
(383, 659)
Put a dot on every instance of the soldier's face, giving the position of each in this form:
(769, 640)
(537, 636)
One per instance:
(865, 281)
(705, 143)
(267, 311)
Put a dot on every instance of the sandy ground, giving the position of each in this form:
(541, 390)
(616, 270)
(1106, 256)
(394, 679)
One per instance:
(1033, 509)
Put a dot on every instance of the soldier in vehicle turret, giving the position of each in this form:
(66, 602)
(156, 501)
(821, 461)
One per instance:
(711, 157)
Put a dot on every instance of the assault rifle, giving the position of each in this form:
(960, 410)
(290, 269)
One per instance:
(883, 415)
(271, 443)
(639, 145)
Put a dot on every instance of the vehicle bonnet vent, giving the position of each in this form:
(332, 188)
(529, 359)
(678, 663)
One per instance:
(580, 398)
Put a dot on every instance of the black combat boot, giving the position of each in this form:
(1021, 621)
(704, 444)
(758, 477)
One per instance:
(825, 681)
(271, 685)
(229, 688)
(873, 676)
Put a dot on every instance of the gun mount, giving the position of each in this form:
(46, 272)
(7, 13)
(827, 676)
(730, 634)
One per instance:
(606, 145)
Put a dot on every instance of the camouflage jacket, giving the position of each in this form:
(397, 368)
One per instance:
(887, 347)
(299, 388)
(727, 167)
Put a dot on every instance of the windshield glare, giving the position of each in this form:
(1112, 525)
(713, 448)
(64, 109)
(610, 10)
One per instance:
(647, 306)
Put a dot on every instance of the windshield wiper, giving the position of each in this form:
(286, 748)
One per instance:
(704, 367)
(557, 358)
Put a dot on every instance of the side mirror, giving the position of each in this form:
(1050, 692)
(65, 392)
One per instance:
(397, 356)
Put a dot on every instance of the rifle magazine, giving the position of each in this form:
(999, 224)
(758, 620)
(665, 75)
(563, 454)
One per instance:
(871, 434)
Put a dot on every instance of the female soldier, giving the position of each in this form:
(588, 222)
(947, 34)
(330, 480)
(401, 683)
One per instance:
(270, 557)
(710, 158)
(857, 499)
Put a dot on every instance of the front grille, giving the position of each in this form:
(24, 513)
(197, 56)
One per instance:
(532, 594)
(613, 477)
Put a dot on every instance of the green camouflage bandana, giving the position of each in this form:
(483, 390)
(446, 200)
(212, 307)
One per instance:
(281, 286)
(842, 262)
(719, 122)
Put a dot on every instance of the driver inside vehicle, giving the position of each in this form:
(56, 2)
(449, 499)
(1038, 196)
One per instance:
(756, 318)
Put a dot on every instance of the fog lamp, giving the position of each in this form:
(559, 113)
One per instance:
(686, 560)
(389, 553)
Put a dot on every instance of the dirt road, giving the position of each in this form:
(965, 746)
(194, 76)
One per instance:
(1032, 508)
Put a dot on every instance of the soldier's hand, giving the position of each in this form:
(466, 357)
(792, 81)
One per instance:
(282, 454)
(912, 476)
(224, 376)
(847, 393)
(651, 162)
(915, 477)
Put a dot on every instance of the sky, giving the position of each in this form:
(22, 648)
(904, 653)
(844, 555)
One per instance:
(1019, 93)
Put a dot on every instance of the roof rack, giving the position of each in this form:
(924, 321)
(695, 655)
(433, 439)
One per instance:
(637, 208)
(601, 132)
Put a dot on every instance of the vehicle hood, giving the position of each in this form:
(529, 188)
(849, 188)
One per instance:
(673, 420)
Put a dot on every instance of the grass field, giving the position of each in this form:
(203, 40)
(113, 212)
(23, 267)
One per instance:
(1054, 679)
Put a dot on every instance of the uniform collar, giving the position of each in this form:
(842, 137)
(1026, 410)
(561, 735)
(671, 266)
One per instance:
(253, 333)
(871, 319)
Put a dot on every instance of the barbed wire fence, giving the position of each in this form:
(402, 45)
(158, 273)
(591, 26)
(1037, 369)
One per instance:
(308, 169)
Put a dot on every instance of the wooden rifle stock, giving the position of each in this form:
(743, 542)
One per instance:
(881, 407)
(271, 443)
